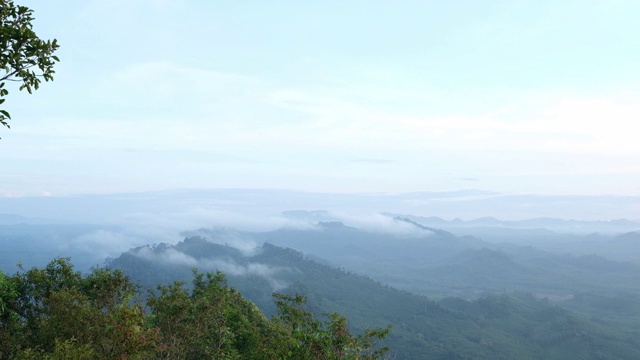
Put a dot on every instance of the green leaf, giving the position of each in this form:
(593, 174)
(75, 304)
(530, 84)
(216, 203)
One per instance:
(24, 57)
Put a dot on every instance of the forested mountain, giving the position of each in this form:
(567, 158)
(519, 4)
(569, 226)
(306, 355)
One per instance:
(436, 263)
(491, 327)
(408, 253)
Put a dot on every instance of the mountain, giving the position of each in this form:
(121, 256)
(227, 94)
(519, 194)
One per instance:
(567, 226)
(491, 327)
(436, 263)
(463, 204)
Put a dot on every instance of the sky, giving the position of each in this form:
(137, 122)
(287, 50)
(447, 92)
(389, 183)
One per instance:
(536, 97)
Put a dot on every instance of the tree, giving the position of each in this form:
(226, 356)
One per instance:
(310, 338)
(212, 321)
(24, 57)
(57, 313)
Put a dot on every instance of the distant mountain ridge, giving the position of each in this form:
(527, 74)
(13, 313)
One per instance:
(554, 224)
(465, 204)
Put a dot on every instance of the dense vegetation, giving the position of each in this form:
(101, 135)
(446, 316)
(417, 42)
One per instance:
(57, 313)
(507, 326)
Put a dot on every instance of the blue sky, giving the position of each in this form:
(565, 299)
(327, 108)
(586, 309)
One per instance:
(538, 97)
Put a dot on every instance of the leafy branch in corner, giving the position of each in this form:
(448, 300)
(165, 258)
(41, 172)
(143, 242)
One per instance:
(24, 57)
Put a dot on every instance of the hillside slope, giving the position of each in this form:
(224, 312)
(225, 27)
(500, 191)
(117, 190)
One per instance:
(493, 327)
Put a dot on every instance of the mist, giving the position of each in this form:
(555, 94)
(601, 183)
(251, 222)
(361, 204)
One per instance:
(167, 256)
(124, 221)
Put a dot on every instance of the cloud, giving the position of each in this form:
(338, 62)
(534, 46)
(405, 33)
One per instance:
(193, 84)
(172, 256)
(167, 256)
(565, 124)
(228, 237)
(191, 217)
(101, 244)
(380, 223)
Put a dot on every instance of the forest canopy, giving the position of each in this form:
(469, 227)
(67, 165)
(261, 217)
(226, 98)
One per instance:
(55, 312)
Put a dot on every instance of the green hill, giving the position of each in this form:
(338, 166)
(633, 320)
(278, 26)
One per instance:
(492, 327)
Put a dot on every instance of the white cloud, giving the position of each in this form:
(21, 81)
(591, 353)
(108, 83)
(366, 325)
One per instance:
(375, 222)
(169, 256)
(190, 217)
(172, 256)
(101, 244)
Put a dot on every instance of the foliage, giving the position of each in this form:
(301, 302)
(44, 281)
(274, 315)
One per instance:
(24, 57)
(8, 293)
(56, 313)
(332, 340)
(211, 322)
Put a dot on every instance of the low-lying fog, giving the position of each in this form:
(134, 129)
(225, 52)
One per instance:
(92, 228)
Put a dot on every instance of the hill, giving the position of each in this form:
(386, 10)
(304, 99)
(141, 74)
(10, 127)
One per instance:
(492, 327)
